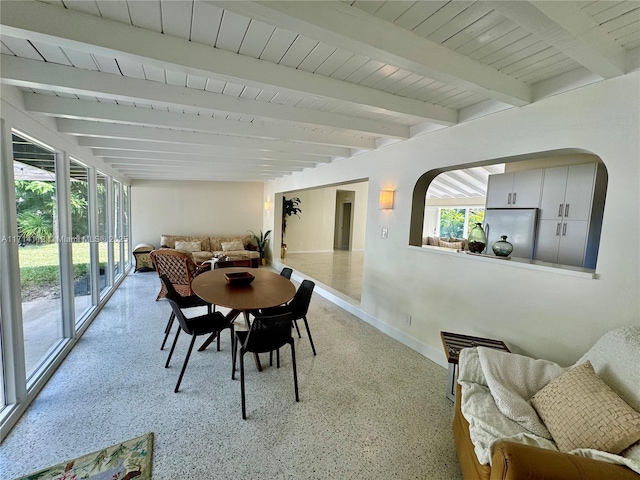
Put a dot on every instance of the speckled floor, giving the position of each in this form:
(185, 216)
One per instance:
(340, 269)
(370, 408)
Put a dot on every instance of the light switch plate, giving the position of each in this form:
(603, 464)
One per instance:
(385, 233)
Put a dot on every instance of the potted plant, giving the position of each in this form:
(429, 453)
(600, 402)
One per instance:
(261, 242)
(290, 206)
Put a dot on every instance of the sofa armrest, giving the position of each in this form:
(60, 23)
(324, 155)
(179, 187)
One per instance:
(514, 461)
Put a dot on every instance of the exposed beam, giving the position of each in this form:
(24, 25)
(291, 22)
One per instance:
(113, 130)
(566, 27)
(81, 109)
(338, 24)
(22, 72)
(227, 167)
(49, 24)
(146, 157)
(119, 145)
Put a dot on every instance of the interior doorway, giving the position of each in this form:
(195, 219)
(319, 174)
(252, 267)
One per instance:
(343, 231)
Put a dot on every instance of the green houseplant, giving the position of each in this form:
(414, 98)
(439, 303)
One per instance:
(290, 206)
(261, 241)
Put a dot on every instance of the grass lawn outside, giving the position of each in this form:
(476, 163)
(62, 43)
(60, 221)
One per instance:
(40, 269)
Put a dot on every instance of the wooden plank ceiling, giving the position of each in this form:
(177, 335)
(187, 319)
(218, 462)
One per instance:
(252, 91)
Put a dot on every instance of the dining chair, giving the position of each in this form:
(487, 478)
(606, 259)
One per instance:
(194, 326)
(298, 307)
(267, 333)
(180, 271)
(286, 272)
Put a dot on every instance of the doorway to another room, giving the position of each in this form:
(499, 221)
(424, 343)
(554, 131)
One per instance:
(326, 241)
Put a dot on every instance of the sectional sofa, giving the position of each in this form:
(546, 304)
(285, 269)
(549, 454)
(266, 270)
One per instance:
(202, 248)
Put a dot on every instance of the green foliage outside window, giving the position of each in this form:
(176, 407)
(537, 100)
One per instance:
(452, 222)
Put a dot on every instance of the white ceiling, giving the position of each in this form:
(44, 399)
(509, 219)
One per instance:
(252, 91)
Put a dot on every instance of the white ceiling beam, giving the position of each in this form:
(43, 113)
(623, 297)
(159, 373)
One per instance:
(198, 178)
(226, 167)
(340, 25)
(113, 130)
(22, 72)
(119, 145)
(125, 156)
(45, 23)
(175, 172)
(566, 27)
(81, 109)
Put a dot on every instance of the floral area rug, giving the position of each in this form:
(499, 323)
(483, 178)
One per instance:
(130, 460)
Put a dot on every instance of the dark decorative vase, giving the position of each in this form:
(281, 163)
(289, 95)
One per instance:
(502, 248)
(477, 239)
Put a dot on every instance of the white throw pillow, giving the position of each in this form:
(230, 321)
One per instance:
(189, 246)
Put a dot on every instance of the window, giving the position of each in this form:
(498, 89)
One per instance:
(456, 222)
(39, 259)
(103, 231)
(80, 245)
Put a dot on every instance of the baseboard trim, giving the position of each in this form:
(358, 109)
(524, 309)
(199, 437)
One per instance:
(350, 305)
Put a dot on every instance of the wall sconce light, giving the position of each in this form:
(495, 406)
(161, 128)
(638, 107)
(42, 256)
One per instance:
(386, 200)
(267, 205)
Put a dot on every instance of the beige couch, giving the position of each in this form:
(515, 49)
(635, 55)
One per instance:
(446, 242)
(202, 248)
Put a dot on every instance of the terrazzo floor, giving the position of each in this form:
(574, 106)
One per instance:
(370, 408)
(340, 269)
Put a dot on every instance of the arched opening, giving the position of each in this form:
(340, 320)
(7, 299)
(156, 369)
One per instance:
(550, 203)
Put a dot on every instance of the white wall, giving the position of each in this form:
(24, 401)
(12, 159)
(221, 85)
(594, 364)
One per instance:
(314, 230)
(194, 208)
(540, 313)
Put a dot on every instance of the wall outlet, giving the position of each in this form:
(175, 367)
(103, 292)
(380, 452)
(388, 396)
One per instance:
(407, 319)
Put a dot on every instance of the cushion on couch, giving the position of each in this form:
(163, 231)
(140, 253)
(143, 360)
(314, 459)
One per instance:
(189, 246)
(234, 246)
(581, 411)
(456, 245)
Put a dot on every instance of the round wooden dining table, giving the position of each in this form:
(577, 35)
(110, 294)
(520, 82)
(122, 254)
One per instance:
(268, 289)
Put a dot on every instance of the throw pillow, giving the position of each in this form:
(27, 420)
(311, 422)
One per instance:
(433, 241)
(232, 246)
(456, 245)
(188, 246)
(581, 411)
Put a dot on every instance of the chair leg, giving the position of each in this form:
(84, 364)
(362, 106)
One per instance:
(295, 323)
(306, 324)
(295, 371)
(167, 329)
(218, 341)
(234, 353)
(244, 406)
(186, 360)
(278, 358)
(173, 347)
(271, 358)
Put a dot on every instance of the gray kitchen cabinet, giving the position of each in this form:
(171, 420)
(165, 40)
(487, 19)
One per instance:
(567, 192)
(571, 210)
(515, 190)
(562, 242)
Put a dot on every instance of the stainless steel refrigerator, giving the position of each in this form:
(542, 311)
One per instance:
(518, 224)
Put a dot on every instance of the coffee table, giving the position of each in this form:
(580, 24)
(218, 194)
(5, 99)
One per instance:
(453, 343)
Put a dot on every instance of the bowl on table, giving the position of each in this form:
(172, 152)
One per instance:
(239, 279)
